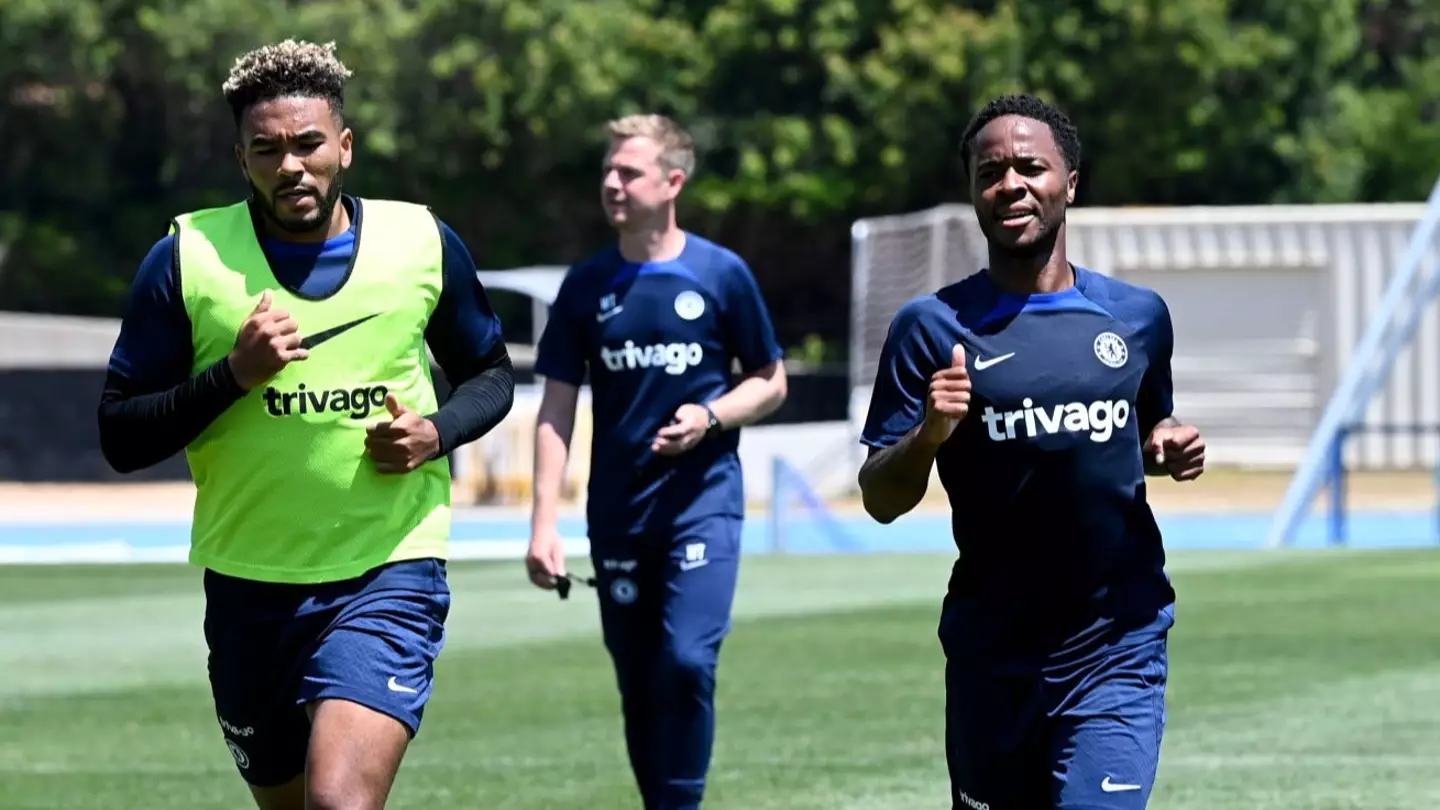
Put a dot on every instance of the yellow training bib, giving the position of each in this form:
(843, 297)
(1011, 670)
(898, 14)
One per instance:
(284, 489)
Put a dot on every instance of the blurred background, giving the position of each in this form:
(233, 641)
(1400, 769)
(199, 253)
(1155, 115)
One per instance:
(1262, 164)
(1269, 166)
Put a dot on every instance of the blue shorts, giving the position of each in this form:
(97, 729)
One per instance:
(1085, 740)
(274, 648)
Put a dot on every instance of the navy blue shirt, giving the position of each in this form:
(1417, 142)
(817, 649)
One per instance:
(155, 350)
(1060, 553)
(653, 337)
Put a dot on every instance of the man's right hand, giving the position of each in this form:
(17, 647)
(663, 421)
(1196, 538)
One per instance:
(545, 559)
(948, 401)
(268, 340)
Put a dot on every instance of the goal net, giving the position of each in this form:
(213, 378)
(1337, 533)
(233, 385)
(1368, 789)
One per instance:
(897, 258)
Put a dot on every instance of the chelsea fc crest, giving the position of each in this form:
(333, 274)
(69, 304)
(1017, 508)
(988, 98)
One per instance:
(1111, 349)
(241, 758)
(623, 591)
(689, 305)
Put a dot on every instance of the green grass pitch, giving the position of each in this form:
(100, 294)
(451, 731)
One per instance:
(1298, 680)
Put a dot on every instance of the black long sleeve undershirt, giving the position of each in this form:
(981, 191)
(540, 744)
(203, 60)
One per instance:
(139, 428)
(477, 403)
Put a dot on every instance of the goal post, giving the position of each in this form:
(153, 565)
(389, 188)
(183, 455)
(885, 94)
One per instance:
(897, 258)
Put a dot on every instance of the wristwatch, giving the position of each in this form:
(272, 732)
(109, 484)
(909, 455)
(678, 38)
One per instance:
(714, 427)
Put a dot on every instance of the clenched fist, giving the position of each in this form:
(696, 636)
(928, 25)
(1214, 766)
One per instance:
(1178, 449)
(404, 442)
(268, 340)
(948, 401)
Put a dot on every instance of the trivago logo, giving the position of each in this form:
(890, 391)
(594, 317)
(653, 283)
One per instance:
(1100, 419)
(673, 358)
(358, 402)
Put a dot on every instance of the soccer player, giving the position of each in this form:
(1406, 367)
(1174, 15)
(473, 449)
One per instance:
(281, 342)
(658, 320)
(1042, 392)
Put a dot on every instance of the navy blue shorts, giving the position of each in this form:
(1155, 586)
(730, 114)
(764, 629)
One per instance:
(1087, 740)
(274, 648)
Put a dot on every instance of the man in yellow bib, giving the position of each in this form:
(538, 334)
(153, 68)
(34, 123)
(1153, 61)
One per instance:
(281, 343)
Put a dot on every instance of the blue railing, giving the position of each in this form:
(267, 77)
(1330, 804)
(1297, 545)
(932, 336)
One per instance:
(1385, 337)
(1337, 533)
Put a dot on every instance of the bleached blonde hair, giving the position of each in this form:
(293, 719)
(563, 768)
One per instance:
(289, 68)
(677, 148)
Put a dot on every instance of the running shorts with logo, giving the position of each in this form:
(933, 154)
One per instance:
(276, 648)
(1085, 736)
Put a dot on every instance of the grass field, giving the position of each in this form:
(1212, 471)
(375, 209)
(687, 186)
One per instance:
(1299, 680)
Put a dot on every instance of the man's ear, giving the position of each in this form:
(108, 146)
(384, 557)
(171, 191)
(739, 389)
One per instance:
(347, 147)
(676, 181)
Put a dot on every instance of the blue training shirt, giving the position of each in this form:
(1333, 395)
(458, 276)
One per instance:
(655, 336)
(155, 347)
(1060, 553)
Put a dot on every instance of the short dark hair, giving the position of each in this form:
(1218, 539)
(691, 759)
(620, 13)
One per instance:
(1067, 137)
(288, 68)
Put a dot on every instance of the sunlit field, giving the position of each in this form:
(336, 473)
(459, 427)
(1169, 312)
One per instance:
(1299, 680)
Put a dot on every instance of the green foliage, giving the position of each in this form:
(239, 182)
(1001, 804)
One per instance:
(806, 114)
(812, 351)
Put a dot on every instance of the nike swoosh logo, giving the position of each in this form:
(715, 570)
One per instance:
(981, 364)
(395, 687)
(1111, 787)
(334, 331)
(691, 565)
(609, 313)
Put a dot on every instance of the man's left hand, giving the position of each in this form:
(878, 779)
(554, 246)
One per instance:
(403, 443)
(688, 429)
(1179, 449)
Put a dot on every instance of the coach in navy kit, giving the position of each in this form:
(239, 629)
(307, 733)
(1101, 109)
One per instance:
(1042, 392)
(658, 320)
